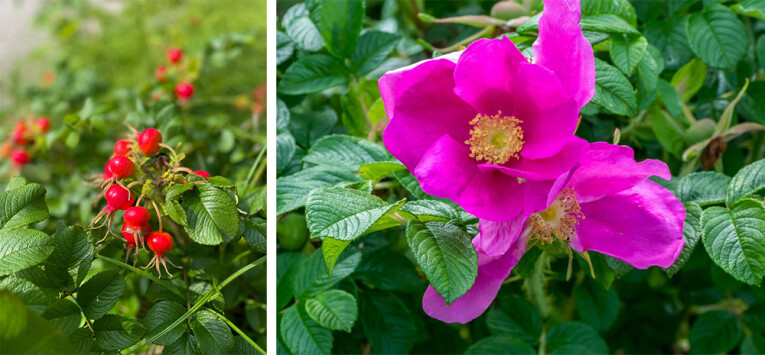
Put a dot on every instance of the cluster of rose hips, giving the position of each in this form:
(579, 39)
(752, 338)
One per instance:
(17, 145)
(136, 230)
(183, 89)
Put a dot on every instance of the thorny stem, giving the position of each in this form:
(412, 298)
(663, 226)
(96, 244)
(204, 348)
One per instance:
(239, 331)
(90, 325)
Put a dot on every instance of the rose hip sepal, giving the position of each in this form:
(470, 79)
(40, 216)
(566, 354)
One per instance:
(606, 204)
(488, 129)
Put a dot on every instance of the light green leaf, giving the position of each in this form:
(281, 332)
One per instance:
(753, 8)
(690, 78)
(613, 91)
(344, 214)
(446, 256)
(301, 29)
(211, 214)
(20, 247)
(313, 73)
(735, 239)
(377, 171)
(608, 24)
(302, 335)
(115, 332)
(331, 248)
(333, 309)
(627, 51)
(161, 316)
(284, 47)
(715, 35)
(100, 293)
(430, 210)
(212, 333)
(346, 152)
(749, 180)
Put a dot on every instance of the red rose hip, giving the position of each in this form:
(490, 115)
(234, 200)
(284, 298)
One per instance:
(184, 90)
(121, 167)
(149, 140)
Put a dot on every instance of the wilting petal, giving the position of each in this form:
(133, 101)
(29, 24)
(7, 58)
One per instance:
(447, 170)
(495, 238)
(483, 73)
(562, 48)
(422, 108)
(607, 169)
(492, 271)
(543, 169)
(548, 113)
(642, 226)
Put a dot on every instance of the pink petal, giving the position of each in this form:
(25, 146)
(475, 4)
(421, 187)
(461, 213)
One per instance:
(548, 113)
(642, 226)
(607, 169)
(543, 169)
(446, 170)
(492, 271)
(422, 107)
(562, 48)
(495, 238)
(483, 75)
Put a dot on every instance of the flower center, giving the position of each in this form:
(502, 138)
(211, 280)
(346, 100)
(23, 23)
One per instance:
(559, 220)
(495, 138)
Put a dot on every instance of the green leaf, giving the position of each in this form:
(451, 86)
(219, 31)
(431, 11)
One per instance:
(613, 91)
(161, 316)
(620, 8)
(292, 191)
(578, 334)
(607, 24)
(64, 314)
(332, 248)
(446, 256)
(301, 29)
(389, 271)
(255, 236)
(346, 152)
(668, 132)
(309, 128)
(303, 335)
(373, 48)
(284, 47)
(748, 181)
(753, 8)
(213, 334)
(20, 248)
(211, 214)
(691, 234)
(429, 210)
(689, 79)
(285, 149)
(115, 332)
(32, 287)
(339, 22)
(515, 317)
(377, 171)
(388, 324)
(185, 345)
(100, 293)
(627, 51)
(596, 306)
(735, 239)
(715, 332)
(287, 265)
(715, 35)
(706, 187)
(311, 74)
(312, 276)
(333, 309)
(354, 116)
(668, 35)
(22, 331)
(500, 344)
(344, 214)
(70, 261)
(670, 97)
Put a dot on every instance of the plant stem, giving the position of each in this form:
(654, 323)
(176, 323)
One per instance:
(251, 174)
(90, 325)
(145, 274)
(239, 331)
(535, 286)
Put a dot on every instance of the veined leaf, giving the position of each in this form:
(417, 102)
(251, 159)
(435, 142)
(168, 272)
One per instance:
(292, 191)
(302, 335)
(347, 152)
(747, 181)
(691, 234)
(211, 214)
(613, 91)
(333, 309)
(715, 35)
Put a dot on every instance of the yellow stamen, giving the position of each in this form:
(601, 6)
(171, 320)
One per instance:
(557, 221)
(495, 139)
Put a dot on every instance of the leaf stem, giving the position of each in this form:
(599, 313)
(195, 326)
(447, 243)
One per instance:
(90, 325)
(239, 331)
(145, 274)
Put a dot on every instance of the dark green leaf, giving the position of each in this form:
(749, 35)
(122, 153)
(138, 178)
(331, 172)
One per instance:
(500, 344)
(691, 234)
(613, 91)
(161, 316)
(292, 191)
(333, 309)
(346, 151)
(715, 332)
(578, 334)
(115, 332)
(313, 73)
(597, 306)
(100, 293)
(746, 182)
(302, 335)
(339, 23)
(704, 188)
(715, 35)
(373, 48)
(213, 334)
(388, 324)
